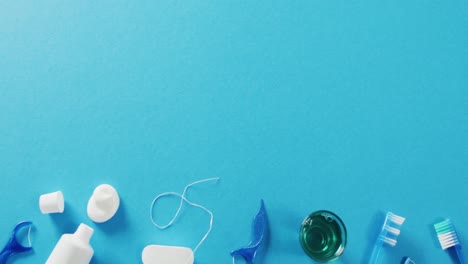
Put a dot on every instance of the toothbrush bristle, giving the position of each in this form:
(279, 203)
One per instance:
(390, 241)
(399, 220)
(391, 228)
(446, 234)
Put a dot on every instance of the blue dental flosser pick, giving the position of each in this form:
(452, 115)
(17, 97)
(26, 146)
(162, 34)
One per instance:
(13, 246)
(407, 260)
(259, 230)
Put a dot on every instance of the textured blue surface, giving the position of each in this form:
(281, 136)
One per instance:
(354, 107)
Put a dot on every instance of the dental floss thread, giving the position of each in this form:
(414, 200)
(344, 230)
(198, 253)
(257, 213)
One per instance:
(29, 236)
(182, 200)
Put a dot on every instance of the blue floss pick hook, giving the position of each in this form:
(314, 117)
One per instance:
(259, 229)
(407, 260)
(13, 246)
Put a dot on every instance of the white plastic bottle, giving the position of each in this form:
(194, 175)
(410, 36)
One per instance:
(73, 248)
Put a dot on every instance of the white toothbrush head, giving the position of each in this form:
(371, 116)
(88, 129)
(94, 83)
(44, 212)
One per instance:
(391, 229)
(446, 234)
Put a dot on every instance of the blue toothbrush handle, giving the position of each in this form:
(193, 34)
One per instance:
(460, 255)
(375, 252)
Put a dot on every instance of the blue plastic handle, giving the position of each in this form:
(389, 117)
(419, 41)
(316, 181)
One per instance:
(376, 251)
(260, 227)
(460, 255)
(13, 246)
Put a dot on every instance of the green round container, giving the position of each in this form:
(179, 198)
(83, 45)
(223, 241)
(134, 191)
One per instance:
(323, 236)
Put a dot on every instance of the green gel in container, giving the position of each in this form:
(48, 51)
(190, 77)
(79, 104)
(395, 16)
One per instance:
(323, 236)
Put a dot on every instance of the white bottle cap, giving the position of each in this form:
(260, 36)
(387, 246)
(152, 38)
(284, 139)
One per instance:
(103, 204)
(52, 203)
(157, 254)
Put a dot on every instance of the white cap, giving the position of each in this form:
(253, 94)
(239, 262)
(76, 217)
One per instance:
(52, 203)
(103, 204)
(157, 254)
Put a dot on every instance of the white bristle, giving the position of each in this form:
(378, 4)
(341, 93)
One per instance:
(389, 241)
(446, 234)
(399, 220)
(448, 240)
(393, 230)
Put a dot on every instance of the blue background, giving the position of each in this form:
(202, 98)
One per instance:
(355, 107)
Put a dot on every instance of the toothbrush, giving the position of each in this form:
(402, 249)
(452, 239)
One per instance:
(388, 235)
(448, 238)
